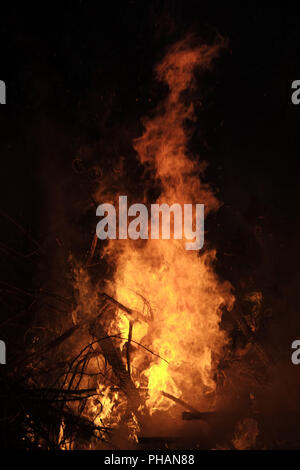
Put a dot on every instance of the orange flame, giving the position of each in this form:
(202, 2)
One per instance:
(172, 295)
(180, 321)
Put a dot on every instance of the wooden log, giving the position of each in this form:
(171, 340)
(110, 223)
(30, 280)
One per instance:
(189, 416)
(180, 402)
(128, 345)
(113, 356)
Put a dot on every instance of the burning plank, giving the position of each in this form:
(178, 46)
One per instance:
(113, 356)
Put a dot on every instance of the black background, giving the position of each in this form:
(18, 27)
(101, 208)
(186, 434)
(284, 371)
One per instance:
(80, 74)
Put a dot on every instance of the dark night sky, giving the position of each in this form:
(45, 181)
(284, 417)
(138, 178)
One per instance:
(81, 76)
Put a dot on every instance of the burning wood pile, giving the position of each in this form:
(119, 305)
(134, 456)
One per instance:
(89, 399)
(148, 357)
